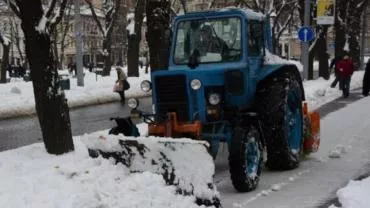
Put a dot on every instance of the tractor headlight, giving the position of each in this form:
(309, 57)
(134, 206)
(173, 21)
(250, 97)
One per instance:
(195, 84)
(146, 86)
(133, 103)
(214, 99)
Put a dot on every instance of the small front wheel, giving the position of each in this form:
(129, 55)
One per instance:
(245, 158)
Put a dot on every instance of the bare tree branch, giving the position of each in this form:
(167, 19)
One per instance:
(14, 7)
(95, 17)
(211, 4)
(113, 15)
(58, 16)
(51, 8)
(183, 3)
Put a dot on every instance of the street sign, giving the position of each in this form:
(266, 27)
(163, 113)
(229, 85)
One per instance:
(305, 34)
(325, 12)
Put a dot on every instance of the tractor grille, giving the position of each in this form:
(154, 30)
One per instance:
(171, 96)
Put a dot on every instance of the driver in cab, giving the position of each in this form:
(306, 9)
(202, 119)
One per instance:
(210, 43)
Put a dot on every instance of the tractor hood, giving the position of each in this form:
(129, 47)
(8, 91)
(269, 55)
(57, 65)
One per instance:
(187, 91)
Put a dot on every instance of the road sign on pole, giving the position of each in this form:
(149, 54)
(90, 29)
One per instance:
(306, 34)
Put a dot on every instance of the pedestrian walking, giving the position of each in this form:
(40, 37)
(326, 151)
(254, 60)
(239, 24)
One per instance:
(366, 80)
(345, 71)
(91, 66)
(121, 84)
(333, 65)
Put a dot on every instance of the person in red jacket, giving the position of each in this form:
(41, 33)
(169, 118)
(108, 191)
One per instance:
(345, 69)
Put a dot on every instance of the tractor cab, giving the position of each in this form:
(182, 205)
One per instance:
(216, 39)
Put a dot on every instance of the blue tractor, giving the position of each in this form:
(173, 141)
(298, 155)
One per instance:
(221, 86)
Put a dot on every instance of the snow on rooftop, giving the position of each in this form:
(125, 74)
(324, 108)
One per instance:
(253, 15)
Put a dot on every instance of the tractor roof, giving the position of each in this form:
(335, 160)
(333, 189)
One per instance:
(247, 13)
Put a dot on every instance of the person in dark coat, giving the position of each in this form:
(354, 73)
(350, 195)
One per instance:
(91, 66)
(333, 64)
(345, 70)
(366, 80)
(210, 43)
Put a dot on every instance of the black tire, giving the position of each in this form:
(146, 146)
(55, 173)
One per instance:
(272, 103)
(242, 179)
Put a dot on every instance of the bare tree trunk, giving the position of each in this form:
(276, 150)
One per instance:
(4, 62)
(54, 46)
(107, 56)
(51, 105)
(134, 41)
(340, 32)
(322, 53)
(110, 14)
(158, 35)
(65, 28)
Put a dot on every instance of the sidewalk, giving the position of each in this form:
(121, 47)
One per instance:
(18, 96)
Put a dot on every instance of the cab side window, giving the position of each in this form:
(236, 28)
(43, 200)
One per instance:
(255, 38)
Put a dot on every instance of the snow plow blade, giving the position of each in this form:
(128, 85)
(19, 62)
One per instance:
(183, 163)
(312, 130)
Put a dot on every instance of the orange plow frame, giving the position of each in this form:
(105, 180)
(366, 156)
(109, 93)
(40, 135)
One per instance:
(172, 128)
(312, 130)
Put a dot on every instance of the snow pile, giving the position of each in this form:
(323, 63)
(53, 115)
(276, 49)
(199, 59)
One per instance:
(34, 178)
(338, 151)
(20, 97)
(355, 194)
(184, 163)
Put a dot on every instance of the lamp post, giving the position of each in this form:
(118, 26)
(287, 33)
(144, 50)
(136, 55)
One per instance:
(78, 35)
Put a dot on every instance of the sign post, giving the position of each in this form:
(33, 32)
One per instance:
(305, 35)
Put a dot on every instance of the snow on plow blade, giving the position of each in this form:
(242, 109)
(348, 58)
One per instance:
(183, 163)
(312, 131)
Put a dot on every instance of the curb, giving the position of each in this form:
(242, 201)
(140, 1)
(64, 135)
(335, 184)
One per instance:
(21, 114)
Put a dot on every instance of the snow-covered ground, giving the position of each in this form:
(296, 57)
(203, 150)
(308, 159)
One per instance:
(355, 194)
(18, 97)
(33, 178)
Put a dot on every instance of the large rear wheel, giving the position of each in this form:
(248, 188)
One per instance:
(245, 158)
(279, 101)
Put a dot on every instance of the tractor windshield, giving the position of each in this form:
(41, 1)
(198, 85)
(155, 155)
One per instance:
(208, 41)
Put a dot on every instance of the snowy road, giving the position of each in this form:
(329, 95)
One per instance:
(83, 120)
(344, 133)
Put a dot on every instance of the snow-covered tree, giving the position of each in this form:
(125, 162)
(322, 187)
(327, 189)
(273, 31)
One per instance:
(158, 35)
(110, 12)
(348, 27)
(135, 21)
(38, 22)
(281, 13)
